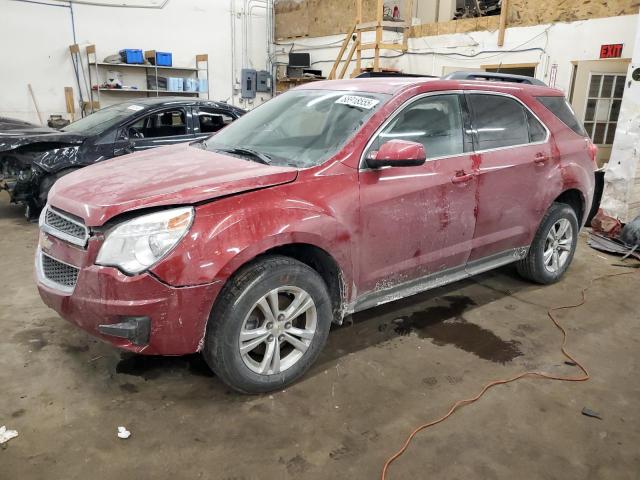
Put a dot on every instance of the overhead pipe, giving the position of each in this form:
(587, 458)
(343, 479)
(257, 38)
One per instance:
(232, 16)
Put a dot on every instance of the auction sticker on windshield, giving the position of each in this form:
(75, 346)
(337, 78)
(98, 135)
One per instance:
(359, 102)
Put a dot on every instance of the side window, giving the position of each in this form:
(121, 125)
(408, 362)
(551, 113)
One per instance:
(212, 120)
(499, 121)
(166, 123)
(537, 133)
(435, 121)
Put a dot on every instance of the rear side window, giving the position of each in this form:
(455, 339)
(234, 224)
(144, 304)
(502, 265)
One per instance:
(499, 121)
(561, 109)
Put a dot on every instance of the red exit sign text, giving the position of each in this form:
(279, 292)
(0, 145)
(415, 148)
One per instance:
(611, 51)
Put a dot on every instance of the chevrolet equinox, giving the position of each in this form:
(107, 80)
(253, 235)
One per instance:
(332, 198)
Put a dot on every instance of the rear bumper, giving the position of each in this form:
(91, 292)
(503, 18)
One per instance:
(104, 296)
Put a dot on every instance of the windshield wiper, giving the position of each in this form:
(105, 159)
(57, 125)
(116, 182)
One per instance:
(259, 156)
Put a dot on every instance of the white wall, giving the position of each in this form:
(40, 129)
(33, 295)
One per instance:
(546, 45)
(35, 40)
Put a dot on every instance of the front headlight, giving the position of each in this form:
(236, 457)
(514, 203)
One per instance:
(138, 244)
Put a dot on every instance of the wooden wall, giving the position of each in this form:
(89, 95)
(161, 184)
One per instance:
(317, 18)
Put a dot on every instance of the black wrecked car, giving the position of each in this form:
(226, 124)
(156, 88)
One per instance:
(32, 160)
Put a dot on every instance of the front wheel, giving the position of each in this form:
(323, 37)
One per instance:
(268, 326)
(553, 246)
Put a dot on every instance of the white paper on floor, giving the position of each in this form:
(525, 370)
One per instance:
(6, 435)
(123, 432)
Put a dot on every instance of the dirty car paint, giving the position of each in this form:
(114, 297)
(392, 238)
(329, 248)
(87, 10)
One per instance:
(382, 227)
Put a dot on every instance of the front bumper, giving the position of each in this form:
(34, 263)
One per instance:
(104, 296)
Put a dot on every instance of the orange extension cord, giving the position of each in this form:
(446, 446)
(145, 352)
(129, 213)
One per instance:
(460, 403)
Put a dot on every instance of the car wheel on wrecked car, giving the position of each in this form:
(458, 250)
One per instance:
(553, 246)
(269, 325)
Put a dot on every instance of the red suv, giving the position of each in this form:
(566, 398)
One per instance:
(329, 199)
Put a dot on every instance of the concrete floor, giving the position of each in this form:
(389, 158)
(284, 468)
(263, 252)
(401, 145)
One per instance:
(392, 369)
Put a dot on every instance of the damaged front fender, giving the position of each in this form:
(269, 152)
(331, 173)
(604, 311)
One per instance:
(58, 158)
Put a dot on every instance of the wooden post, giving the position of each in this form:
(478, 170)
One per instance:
(503, 22)
(68, 98)
(345, 43)
(358, 68)
(349, 57)
(35, 104)
(408, 7)
(379, 18)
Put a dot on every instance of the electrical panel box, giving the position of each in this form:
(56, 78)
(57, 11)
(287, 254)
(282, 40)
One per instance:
(248, 82)
(264, 81)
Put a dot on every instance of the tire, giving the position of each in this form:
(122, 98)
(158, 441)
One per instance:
(244, 306)
(541, 268)
(46, 184)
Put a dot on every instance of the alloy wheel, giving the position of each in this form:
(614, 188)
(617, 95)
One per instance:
(557, 246)
(278, 330)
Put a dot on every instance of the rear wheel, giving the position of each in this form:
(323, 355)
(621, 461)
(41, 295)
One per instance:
(268, 326)
(553, 246)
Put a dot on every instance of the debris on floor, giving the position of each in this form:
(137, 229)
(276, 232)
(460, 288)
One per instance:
(590, 413)
(630, 234)
(6, 435)
(123, 433)
(610, 236)
(604, 224)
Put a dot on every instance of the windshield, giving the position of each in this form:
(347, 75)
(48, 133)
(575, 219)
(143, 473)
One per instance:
(103, 119)
(301, 128)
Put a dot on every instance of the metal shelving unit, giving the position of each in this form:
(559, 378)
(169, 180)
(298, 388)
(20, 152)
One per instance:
(201, 71)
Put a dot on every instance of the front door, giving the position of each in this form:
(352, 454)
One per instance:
(417, 221)
(162, 127)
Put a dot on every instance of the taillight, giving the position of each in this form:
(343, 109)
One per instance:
(593, 153)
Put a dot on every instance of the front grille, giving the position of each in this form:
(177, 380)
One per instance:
(64, 227)
(59, 273)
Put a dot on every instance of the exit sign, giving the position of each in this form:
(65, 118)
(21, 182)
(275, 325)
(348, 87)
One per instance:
(611, 51)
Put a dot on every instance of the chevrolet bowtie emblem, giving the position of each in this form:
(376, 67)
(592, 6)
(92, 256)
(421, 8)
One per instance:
(45, 243)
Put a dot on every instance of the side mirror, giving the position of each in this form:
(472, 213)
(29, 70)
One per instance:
(398, 153)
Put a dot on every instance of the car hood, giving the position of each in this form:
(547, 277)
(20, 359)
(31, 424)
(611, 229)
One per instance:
(10, 139)
(174, 175)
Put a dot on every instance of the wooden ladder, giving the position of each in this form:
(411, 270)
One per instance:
(354, 37)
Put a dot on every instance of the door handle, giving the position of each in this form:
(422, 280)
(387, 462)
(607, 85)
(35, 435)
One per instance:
(540, 158)
(461, 177)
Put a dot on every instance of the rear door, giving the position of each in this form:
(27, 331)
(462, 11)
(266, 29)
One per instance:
(166, 126)
(417, 221)
(514, 162)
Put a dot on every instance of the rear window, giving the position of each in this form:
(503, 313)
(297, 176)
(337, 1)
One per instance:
(561, 109)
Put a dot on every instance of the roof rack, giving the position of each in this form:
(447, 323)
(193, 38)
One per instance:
(391, 74)
(496, 77)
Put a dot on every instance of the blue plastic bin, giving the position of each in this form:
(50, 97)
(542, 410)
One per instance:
(164, 59)
(129, 55)
(190, 85)
(175, 84)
